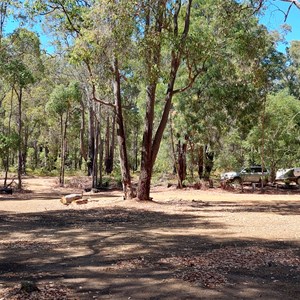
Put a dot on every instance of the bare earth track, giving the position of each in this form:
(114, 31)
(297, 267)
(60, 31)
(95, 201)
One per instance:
(190, 244)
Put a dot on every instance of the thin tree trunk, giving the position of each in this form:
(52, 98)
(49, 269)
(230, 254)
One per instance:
(62, 154)
(263, 144)
(135, 149)
(112, 144)
(95, 161)
(209, 163)
(9, 131)
(192, 149)
(181, 163)
(201, 162)
(107, 147)
(91, 143)
(101, 153)
(126, 179)
(83, 150)
(64, 125)
(36, 154)
(20, 160)
(25, 150)
(173, 146)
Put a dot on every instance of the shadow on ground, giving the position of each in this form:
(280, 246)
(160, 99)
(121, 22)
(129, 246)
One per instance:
(122, 253)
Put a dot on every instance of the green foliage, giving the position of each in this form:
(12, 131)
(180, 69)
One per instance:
(59, 101)
(281, 131)
(8, 142)
(231, 54)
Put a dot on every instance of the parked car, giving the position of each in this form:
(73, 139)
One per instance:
(253, 174)
(288, 175)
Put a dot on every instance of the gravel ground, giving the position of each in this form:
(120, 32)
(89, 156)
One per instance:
(189, 244)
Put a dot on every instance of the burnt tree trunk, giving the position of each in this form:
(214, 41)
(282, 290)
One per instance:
(209, 163)
(181, 162)
(109, 144)
(201, 162)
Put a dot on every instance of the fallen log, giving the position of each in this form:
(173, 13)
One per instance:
(81, 201)
(70, 198)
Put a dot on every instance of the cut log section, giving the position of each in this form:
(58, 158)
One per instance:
(70, 198)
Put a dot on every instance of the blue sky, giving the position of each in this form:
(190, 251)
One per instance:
(273, 19)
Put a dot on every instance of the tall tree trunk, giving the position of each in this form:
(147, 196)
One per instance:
(83, 150)
(62, 154)
(36, 154)
(209, 163)
(64, 126)
(91, 144)
(153, 59)
(95, 160)
(107, 147)
(126, 179)
(263, 144)
(6, 165)
(110, 144)
(201, 162)
(135, 149)
(101, 154)
(181, 163)
(20, 157)
(149, 149)
(25, 149)
(173, 146)
(146, 156)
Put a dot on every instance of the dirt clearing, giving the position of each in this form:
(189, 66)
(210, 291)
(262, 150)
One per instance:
(190, 244)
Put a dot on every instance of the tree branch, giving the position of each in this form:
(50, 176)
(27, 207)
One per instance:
(295, 2)
(94, 97)
(288, 11)
(68, 18)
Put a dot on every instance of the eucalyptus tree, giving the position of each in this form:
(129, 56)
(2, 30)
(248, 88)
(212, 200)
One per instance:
(61, 103)
(192, 39)
(99, 35)
(7, 9)
(292, 71)
(240, 63)
(169, 37)
(282, 132)
(20, 67)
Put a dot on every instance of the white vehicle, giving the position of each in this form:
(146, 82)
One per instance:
(253, 174)
(288, 175)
